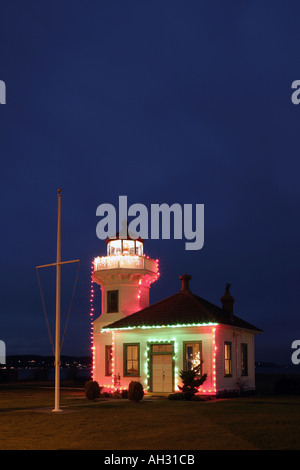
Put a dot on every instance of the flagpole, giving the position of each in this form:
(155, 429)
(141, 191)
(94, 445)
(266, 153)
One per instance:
(58, 287)
(58, 264)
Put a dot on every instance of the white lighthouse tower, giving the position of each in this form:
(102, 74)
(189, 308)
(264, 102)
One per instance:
(125, 276)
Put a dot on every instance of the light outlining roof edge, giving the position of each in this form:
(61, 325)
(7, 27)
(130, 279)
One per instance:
(182, 325)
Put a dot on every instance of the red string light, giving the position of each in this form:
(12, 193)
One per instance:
(113, 360)
(92, 319)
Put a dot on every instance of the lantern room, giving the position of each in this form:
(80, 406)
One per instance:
(126, 246)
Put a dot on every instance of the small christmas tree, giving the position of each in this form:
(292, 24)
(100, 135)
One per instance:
(191, 381)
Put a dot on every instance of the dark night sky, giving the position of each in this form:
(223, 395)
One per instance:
(162, 101)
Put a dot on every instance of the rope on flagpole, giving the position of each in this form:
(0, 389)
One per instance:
(45, 312)
(70, 305)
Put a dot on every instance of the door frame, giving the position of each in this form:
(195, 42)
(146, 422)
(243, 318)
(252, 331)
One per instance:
(151, 354)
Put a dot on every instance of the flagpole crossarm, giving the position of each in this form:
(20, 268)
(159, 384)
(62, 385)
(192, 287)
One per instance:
(58, 264)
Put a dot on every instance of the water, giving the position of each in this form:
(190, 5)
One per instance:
(276, 369)
(49, 374)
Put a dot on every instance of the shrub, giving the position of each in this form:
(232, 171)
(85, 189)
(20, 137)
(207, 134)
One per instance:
(124, 394)
(92, 390)
(191, 382)
(242, 385)
(135, 391)
(175, 396)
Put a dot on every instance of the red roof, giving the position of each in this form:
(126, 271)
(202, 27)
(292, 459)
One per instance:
(183, 308)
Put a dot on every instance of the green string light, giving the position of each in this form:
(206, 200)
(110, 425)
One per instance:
(143, 327)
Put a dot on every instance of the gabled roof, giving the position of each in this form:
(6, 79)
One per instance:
(181, 309)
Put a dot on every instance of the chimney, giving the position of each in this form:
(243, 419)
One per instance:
(227, 301)
(185, 278)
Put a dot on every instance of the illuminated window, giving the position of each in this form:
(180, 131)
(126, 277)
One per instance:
(244, 359)
(139, 248)
(227, 359)
(112, 301)
(126, 246)
(162, 348)
(131, 360)
(108, 360)
(120, 246)
(192, 355)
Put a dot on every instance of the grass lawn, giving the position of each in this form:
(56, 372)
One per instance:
(26, 422)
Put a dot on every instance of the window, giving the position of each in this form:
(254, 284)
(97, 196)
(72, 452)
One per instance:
(192, 355)
(112, 301)
(244, 359)
(162, 348)
(131, 360)
(139, 248)
(108, 360)
(125, 247)
(227, 359)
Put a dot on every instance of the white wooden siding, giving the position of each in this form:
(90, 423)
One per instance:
(179, 336)
(236, 337)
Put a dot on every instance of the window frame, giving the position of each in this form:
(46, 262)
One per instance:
(185, 344)
(108, 301)
(125, 372)
(228, 343)
(108, 360)
(244, 369)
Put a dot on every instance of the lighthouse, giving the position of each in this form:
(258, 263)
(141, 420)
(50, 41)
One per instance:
(152, 344)
(125, 276)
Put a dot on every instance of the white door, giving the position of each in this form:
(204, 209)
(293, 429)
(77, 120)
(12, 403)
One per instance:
(162, 373)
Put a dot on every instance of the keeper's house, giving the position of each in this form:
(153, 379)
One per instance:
(133, 340)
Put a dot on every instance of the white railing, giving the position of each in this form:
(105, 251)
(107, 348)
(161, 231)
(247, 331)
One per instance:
(150, 265)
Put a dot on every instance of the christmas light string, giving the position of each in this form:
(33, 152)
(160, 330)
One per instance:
(113, 359)
(214, 354)
(152, 341)
(92, 320)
